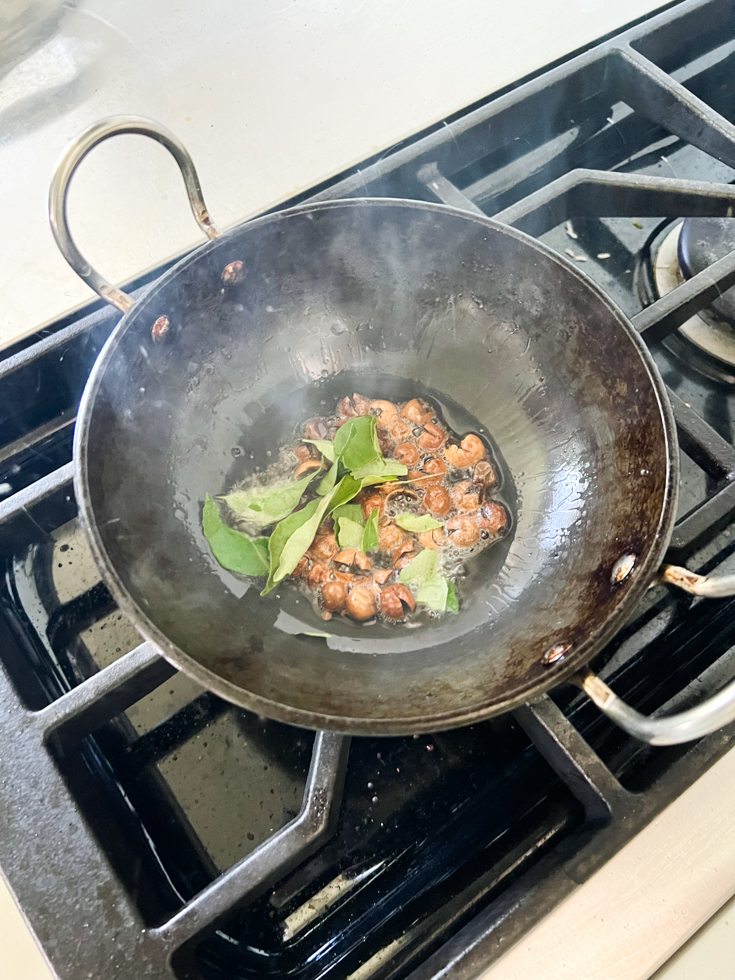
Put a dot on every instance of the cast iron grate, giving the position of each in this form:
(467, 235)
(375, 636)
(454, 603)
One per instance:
(280, 908)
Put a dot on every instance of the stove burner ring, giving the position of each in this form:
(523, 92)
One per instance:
(712, 336)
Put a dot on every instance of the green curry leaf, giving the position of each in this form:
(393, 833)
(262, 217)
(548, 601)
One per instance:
(417, 524)
(328, 481)
(434, 591)
(299, 541)
(325, 447)
(370, 534)
(422, 568)
(349, 533)
(356, 442)
(266, 505)
(452, 601)
(281, 533)
(211, 520)
(382, 469)
(353, 511)
(346, 489)
(234, 551)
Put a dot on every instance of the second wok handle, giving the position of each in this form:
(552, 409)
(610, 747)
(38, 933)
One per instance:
(704, 718)
(709, 586)
(696, 722)
(65, 169)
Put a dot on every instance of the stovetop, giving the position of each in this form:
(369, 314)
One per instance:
(149, 828)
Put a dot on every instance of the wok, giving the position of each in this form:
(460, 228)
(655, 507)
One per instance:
(255, 331)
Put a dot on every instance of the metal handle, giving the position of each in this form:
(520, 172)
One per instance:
(715, 587)
(714, 713)
(65, 169)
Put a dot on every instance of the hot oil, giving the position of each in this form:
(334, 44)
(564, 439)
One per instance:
(271, 457)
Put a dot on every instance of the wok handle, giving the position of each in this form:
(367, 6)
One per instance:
(714, 713)
(711, 587)
(65, 169)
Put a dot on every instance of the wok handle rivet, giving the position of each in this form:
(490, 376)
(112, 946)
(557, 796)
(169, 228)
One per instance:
(622, 568)
(556, 653)
(160, 328)
(233, 273)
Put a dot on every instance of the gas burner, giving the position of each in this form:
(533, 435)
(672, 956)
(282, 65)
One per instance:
(703, 241)
(688, 247)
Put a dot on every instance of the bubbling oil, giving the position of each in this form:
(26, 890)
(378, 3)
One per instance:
(284, 420)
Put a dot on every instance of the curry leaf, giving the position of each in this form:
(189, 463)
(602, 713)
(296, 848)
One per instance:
(211, 520)
(356, 442)
(325, 447)
(346, 489)
(349, 534)
(370, 535)
(422, 568)
(417, 524)
(353, 511)
(281, 533)
(234, 551)
(384, 469)
(372, 480)
(299, 541)
(452, 601)
(434, 593)
(328, 480)
(266, 505)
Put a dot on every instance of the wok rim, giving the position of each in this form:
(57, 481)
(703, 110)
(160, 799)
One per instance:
(530, 690)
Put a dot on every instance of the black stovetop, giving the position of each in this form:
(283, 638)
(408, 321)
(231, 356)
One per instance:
(150, 829)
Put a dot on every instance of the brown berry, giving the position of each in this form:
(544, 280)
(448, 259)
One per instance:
(396, 600)
(407, 453)
(484, 473)
(361, 604)
(317, 575)
(436, 501)
(334, 596)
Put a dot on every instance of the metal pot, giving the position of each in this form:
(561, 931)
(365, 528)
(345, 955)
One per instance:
(305, 305)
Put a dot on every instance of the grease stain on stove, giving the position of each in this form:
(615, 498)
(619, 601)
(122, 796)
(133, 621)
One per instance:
(164, 703)
(110, 638)
(231, 796)
(73, 567)
(233, 787)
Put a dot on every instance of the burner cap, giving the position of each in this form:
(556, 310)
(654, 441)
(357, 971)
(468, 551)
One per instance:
(703, 241)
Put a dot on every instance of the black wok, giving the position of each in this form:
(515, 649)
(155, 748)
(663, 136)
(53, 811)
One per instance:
(378, 296)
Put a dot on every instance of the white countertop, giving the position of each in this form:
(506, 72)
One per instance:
(272, 97)
(709, 954)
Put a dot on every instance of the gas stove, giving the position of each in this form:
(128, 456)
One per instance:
(150, 829)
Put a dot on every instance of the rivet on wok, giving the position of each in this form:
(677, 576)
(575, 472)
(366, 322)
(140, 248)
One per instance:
(556, 653)
(232, 273)
(160, 328)
(622, 568)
